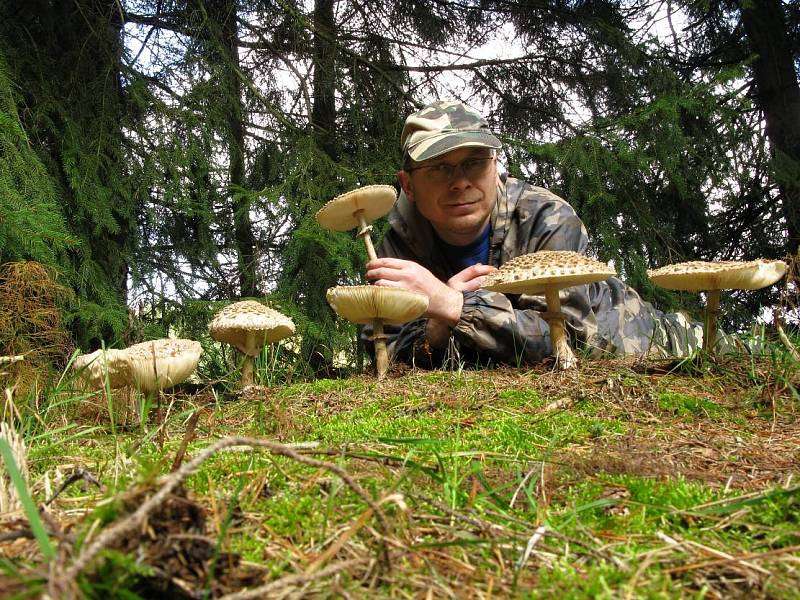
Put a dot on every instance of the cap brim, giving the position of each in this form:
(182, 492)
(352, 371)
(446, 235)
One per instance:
(433, 147)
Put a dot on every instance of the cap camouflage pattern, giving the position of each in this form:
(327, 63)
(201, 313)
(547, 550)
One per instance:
(444, 126)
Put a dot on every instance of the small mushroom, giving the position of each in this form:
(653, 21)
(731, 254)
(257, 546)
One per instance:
(357, 208)
(248, 325)
(377, 305)
(160, 364)
(711, 277)
(546, 272)
(93, 367)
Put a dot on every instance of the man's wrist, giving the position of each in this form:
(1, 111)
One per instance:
(439, 328)
(449, 308)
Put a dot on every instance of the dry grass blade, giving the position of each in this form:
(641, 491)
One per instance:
(733, 560)
(280, 585)
(191, 426)
(787, 342)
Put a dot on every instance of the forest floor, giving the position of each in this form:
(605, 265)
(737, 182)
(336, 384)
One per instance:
(621, 479)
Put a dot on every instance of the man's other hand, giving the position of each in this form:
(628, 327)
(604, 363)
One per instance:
(471, 278)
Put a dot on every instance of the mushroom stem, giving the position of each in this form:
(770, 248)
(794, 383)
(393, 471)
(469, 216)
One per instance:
(247, 371)
(363, 232)
(381, 355)
(565, 358)
(712, 310)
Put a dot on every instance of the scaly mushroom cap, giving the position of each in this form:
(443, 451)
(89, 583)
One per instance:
(698, 275)
(93, 368)
(365, 303)
(532, 273)
(339, 214)
(160, 364)
(248, 325)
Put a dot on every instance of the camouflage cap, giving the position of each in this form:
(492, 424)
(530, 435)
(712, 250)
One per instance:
(444, 126)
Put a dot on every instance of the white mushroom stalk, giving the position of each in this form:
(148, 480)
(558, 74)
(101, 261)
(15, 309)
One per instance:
(545, 273)
(249, 325)
(712, 278)
(377, 305)
(358, 208)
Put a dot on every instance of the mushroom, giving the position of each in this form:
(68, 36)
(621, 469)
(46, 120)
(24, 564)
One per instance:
(248, 325)
(377, 305)
(711, 277)
(92, 369)
(546, 272)
(357, 208)
(160, 364)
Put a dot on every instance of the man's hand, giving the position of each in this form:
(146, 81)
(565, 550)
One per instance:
(471, 278)
(446, 300)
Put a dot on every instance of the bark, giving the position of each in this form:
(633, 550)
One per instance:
(224, 12)
(323, 116)
(778, 96)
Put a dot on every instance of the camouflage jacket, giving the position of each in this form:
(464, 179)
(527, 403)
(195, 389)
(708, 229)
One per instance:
(605, 317)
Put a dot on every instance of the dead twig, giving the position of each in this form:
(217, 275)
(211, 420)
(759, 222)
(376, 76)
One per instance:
(77, 475)
(63, 580)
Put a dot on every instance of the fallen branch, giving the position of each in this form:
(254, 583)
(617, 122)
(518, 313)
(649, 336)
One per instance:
(62, 581)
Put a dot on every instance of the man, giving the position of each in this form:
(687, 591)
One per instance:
(456, 221)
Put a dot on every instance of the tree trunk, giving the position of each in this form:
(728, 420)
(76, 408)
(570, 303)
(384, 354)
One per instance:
(778, 96)
(323, 116)
(224, 12)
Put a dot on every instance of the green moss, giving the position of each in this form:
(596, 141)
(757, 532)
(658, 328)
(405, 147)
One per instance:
(684, 405)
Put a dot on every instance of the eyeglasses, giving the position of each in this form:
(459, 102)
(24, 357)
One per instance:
(472, 168)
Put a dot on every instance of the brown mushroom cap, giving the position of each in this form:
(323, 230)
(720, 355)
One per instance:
(365, 303)
(697, 276)
(248, 325)
(160, 364)
(339, 214)
(93, 368)
(533, 273)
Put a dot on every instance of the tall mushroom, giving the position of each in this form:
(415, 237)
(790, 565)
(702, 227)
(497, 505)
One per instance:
(358, 208)
(248, 325)
(712, 277)
(377, 305)
(545, 273)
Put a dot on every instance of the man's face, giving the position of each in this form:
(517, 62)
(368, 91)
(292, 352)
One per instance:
(457, 201)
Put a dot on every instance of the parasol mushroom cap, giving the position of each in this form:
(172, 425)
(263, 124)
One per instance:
(248, 325)
(697, 276)
(160, 364)
(339, 214)
(93, 367)
(365, 303)
(534, 273)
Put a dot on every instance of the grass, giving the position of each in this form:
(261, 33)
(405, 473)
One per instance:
(621, 479)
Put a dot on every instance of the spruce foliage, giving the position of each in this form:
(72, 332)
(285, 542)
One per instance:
(32, 225)
(183, 148)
